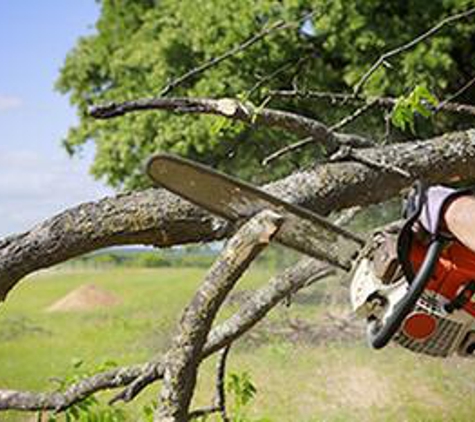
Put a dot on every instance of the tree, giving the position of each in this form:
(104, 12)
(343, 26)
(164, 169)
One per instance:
(140, 46)
(358, 170)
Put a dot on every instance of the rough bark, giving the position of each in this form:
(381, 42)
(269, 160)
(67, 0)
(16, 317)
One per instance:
(182, 360)
(236, 110)
(159, 218)
(151, 217)
(30, 401)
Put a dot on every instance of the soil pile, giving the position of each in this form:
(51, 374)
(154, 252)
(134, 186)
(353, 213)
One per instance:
(85, 298)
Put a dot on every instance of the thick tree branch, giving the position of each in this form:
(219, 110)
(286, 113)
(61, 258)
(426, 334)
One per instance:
(183, 358)
(156, 217)
(153, 217)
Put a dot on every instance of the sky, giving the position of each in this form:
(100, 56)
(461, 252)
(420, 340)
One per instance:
(37, 178)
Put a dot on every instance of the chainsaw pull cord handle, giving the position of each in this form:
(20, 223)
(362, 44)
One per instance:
(380, 334)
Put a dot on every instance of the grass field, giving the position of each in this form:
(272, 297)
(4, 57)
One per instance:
(297, 378)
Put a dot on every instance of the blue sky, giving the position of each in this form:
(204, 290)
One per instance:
(37, 178)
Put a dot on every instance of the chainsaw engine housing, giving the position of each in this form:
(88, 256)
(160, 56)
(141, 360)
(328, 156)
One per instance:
(443, 321)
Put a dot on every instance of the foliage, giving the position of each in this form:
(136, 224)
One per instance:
(148, 411)
(243, 391)
(139, 45)
(90, 409)
(418, 102)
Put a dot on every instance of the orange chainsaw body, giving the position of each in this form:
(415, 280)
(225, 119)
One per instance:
(454, 270)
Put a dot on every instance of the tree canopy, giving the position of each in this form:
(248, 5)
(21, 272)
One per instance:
(141, 45)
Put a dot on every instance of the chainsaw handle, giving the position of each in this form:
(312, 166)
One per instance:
(380, 334)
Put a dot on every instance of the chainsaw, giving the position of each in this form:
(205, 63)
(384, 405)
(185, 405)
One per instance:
(420, 295)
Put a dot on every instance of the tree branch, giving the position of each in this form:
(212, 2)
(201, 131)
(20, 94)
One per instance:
(156, 217)
(285, 150)
(306, 141)
(383, 102)
(411, 44)
(238, 111)
(219, 404)
(449, 101)
(183, 358)
(277, 26)
(57, 401)
(152, 217)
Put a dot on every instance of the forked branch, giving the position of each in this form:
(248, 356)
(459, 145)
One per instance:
(138, 377)
(275, 27)
(408, 46)
(183, 358)
(236, 110)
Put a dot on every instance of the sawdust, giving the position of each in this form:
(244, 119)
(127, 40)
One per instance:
(84, 298)
(358, 388)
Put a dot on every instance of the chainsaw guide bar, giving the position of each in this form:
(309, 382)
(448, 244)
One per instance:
(235, 200)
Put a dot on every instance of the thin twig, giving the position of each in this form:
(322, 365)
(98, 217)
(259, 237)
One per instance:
(384, 102)
(204, 411)
(353, 116)
(384, 57)
(219, 404)
(277, 26)
(452, 97)
(220, 400)
(287, 149)
(278, 71)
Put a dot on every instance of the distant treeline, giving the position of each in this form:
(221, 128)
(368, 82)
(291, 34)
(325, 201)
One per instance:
(197, 256)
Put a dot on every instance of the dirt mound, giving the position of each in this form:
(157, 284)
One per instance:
(84, 298)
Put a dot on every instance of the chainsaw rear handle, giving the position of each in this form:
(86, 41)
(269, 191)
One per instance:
(380, 334)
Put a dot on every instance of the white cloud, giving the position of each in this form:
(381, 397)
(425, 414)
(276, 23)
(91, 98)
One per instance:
(36, 186)
(8, 102)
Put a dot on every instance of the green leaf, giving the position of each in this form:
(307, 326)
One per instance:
(419, 101)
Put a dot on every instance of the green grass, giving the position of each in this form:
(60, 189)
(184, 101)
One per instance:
(296, 382)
